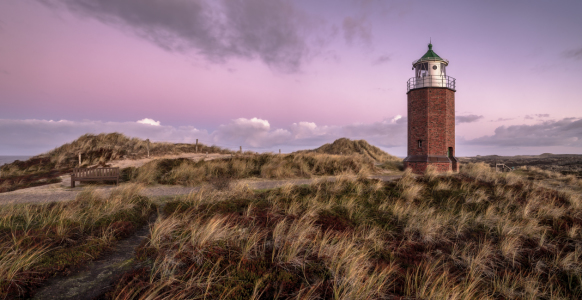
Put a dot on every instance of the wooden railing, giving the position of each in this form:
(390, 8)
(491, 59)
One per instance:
(502, 168)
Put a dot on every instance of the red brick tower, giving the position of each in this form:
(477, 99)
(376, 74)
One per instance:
(431, 116)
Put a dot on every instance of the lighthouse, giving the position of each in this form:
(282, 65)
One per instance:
(431, 115)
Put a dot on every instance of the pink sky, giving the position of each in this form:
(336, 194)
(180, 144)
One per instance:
(270, 74)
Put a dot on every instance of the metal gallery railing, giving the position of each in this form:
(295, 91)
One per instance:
(431, 81)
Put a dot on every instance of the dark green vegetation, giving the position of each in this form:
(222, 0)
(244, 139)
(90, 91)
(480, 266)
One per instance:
(96, 150)
(475, 235)
(38, 241)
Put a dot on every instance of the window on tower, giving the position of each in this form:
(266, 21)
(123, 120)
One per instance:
(419, 143)
(422, 70)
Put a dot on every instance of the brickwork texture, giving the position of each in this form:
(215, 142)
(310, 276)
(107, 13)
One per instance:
(420, 167)
(431, 120)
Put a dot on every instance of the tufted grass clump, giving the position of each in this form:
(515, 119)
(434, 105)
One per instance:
(38, 241)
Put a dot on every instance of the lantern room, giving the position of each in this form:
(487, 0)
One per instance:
(430, 71)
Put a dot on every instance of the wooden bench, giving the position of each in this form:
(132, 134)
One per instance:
(99, 174)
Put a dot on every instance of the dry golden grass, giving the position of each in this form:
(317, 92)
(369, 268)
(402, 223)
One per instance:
(99, 150)
(305, 165)
(475, 235)
(39, 241)
(344, 146)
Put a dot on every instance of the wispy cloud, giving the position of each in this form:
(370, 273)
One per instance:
(36, 136)
(539, 116)
(565, 132)
(573, 54)
(29, 137)
(502, 120)
(468, 119)
(381, 59)
(357, 29)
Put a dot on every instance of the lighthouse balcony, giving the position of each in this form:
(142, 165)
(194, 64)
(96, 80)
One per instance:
(431, 81)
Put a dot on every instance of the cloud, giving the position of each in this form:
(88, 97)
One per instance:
(565, 132)
(573, 54)
(502, 120)
(467, 119)
(381, 59)
(357, 29)
(274, 31)
(539, 116)
(149, 122)
(253, 132)
(31, 137)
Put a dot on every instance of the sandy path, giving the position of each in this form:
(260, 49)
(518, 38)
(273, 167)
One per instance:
(126, 163)
(63, 192)
(95, 277)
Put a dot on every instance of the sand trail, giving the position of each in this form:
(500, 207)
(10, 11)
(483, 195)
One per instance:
(63, 192)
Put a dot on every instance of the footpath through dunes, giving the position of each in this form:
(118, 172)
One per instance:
(62, 192)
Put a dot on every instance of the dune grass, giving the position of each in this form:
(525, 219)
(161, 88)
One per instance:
(96, 150)
(473, 235)
(270, 166)
(38, 241)
(344, 146)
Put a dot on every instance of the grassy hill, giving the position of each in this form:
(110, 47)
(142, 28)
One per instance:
(345, 146)
(95, 150)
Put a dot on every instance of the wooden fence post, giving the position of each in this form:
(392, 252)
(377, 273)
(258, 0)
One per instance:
(240, 149)
(196, 145)
(148, 147)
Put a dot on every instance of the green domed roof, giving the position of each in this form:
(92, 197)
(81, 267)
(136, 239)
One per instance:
(430, 56)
